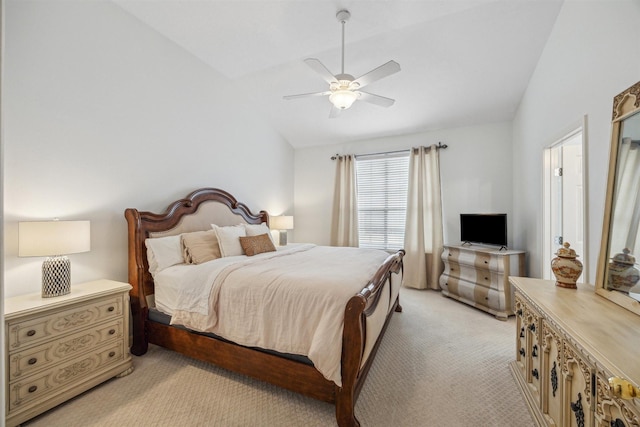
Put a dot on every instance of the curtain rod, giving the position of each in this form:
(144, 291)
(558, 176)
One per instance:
(439, 146)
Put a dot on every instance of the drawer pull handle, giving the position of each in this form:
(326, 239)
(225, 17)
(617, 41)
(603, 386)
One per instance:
(486, 262)
(522, 352)
(535, 374)
(32, 361)
(111, 308)
(112, 353)
(31, 332)
(535, 351)
(519, 312)
(112, 331)
(532, 327)
(486, 278)
(33, 388)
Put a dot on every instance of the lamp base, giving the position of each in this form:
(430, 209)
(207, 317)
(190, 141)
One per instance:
(283, 238)
(56, 276)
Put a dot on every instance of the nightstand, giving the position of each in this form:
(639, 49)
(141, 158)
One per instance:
(57, 348)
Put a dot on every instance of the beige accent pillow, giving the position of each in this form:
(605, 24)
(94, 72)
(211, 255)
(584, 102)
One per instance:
(228, 239)
(253, 245)
(200, 246)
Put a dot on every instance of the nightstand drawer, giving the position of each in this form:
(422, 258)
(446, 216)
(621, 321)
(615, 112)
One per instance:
(40, 385)
(46, 327)
(26, 362)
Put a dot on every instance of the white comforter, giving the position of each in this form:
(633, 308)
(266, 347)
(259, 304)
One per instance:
(290, 301)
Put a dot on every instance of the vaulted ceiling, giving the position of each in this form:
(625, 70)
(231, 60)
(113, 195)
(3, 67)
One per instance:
(462, 62)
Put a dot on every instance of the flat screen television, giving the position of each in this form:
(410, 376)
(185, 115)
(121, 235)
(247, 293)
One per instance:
(489, 229)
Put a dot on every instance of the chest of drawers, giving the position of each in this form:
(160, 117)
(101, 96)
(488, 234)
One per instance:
(569, 343)
(57, 348)
(479, 276)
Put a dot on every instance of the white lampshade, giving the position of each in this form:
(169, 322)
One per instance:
(283, 222)
(48, 238)
(343, 99)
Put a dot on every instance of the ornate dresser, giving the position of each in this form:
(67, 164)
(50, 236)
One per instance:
(569, 343)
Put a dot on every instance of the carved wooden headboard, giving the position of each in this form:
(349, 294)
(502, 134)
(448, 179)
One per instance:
(197, 211)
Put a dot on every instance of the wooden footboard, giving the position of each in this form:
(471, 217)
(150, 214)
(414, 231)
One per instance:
(294, 375)
(354, 337)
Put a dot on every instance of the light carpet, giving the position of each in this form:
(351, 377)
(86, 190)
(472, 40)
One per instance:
(440, 363)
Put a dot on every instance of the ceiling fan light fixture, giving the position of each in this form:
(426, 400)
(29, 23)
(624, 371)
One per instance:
(343, 99)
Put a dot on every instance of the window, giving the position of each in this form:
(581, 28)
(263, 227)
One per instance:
(382, 199)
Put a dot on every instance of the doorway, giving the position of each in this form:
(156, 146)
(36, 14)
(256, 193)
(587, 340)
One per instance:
(564, 200)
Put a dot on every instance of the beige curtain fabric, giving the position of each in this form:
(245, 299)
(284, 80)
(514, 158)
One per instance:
(344, 224)
(423, 231)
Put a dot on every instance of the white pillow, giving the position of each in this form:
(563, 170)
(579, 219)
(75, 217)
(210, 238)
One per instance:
(229, 239)
(258, 229)
(163, 252)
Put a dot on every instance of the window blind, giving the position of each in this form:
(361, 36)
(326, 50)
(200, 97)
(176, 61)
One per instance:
(382, 182)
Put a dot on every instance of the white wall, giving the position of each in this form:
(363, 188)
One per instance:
(591, 56)
(475, 173)
(101, 114)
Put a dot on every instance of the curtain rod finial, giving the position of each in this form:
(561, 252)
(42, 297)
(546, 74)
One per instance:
(441, 145)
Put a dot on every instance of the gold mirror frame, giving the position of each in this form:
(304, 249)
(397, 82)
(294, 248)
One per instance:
(625, 105)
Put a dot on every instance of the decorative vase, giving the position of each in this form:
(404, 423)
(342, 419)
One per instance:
(566, 267)
(623, 275)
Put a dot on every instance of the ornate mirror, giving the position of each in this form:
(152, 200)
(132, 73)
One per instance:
(618, 273)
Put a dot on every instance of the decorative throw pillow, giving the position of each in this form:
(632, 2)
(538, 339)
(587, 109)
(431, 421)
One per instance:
(253, 245)
(228, 239)
(200, 246)
(163, 252)
(257, 229)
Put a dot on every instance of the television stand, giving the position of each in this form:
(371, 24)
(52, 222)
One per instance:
(479, 276)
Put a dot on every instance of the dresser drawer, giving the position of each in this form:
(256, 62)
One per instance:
(480, 276)
(34, 330)
(482, 260)
(25, 362)
(473, 294)
(38, 386)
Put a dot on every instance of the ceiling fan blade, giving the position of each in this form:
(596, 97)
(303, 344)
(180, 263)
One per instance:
(384, 70)
(335, 112)
(319, 68)
(376, 99)
(305, 95)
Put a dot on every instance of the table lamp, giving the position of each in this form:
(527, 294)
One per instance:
(54, 240)
(282, 224)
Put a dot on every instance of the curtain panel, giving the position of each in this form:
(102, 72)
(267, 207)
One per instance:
(344, 221)
(423, 240)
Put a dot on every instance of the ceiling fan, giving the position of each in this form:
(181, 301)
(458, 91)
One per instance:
(344, 89)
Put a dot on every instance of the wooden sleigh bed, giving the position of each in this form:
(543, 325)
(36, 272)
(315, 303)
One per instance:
(366, 314)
